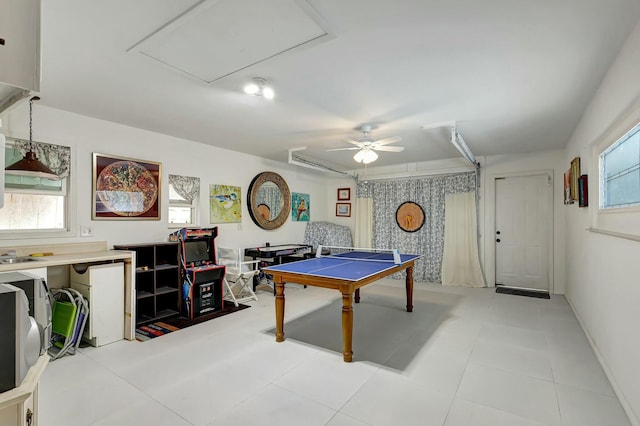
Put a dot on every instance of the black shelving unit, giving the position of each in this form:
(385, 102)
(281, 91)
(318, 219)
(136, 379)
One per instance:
(157, 280)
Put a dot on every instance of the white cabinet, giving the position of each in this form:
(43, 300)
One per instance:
(103, 287)
(19, 406)
(19, 50)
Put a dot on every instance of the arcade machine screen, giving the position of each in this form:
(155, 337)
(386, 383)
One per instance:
(196, 252)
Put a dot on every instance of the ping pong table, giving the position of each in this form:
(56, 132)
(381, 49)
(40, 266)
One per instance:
(345, 272)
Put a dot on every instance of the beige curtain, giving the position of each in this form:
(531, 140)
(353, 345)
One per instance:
(364, 222)
(460, 260)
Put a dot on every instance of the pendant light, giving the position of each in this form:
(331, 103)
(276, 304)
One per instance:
(30, 165)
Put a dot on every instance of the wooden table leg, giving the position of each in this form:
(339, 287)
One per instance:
(357, 298)
(279, 309)
(347, 326)
(409, 288)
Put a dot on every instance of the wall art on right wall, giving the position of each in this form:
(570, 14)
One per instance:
(583, 191)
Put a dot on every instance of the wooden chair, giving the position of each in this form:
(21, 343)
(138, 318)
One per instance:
(238, 278)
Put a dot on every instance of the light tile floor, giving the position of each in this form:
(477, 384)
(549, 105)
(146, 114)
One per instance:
(462, 357)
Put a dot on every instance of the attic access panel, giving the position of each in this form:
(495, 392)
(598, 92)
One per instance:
(217, 38)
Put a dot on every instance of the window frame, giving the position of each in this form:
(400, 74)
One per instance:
(623, 221)
(68, 190)
(193, 206)
(601, 168)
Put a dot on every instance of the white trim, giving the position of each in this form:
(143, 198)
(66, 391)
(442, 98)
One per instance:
(620, 220)
(615, 234)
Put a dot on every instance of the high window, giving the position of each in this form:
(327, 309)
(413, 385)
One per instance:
(620, 172)
(184, 192)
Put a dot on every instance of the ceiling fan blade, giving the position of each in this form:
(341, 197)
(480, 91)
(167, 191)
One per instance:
(386, 141)
(389, 148)
(359, 144)
(343, 149)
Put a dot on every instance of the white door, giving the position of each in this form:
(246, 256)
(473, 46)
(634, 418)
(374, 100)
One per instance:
(523, 231)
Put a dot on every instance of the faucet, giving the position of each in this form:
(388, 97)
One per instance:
(10, 254)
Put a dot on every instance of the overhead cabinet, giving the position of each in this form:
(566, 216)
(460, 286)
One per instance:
(19, 50)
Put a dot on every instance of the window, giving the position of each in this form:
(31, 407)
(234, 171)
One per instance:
(183, 200)
(615, 172)
(620, 172)
(32, 203)
(32, 209)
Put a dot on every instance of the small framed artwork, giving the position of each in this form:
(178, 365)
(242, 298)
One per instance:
(567, 187)
(344, 194)
(410, 216)
(125, 188)
(300, 207)
(343, 209)
(225, 204)
(575, 177)
(583, 190)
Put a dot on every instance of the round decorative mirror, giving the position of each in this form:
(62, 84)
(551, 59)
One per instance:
(269, 200)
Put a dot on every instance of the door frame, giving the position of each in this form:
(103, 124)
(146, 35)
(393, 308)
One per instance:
(490, 224)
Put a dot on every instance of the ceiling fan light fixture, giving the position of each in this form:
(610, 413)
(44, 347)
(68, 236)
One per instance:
(365, 156)
(259, 87)
(367, 147)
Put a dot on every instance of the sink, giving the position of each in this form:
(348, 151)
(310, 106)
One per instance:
(19, 259)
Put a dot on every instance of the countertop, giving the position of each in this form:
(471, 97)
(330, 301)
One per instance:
(64, 254)
(67, 259)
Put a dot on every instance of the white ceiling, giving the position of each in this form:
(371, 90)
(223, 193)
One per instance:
(515, 75)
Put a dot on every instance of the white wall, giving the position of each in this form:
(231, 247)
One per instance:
(602, 282)
(213, 165)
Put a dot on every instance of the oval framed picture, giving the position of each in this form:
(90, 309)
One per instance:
(410, 216)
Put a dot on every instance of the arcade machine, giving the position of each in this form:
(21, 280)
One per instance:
(202, 279)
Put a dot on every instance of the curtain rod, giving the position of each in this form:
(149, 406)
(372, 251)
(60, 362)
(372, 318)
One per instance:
(411, 176)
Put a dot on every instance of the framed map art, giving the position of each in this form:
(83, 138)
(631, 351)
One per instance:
(125, 188)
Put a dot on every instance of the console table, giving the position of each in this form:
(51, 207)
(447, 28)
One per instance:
(276, 255)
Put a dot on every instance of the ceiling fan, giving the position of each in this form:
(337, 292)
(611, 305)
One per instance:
(367, 146)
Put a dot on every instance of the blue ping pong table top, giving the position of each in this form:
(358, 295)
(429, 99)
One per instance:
(353, 266)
